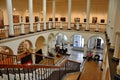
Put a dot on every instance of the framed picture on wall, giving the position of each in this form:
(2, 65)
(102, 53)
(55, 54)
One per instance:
(27, 19)
(15, 18)
(63, 19)
(56, 19)
(85, 20)
(41, 19)
(36, 18)
(94, 19)
(1, 19)
(50, 19)
(102, 20)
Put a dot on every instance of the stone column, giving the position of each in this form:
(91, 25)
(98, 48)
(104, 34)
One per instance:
(33, 56)
(117, 46)
(31, 15)
(68, 48)
(96, 30)
(87, 15)
(77, 26)
(118, 68)
(85, 51)
(61, 25)
(53, 13)
(38, 26)
(49, 25)
(69, 14)
(22, 26)
(44, 14)
(10, 18)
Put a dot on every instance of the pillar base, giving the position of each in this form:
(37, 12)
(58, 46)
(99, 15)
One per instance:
(22, 34)
(87, 30)
(31, 32)
(96, 31)
(49, 29)
(38, 31)
(10, 36)
(68, 29)
(44, 29)
(61, 28)
(77, 29)
(53, 28)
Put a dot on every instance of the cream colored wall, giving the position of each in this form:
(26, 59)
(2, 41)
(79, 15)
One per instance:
(98, 9)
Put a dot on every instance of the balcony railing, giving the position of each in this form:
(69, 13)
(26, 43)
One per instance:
(4, 32)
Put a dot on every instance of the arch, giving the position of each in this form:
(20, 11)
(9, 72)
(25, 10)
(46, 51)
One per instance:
(6, 50)
(61, 39)
(93, 41)
(40, 43)
(24, 45)
(77, 41)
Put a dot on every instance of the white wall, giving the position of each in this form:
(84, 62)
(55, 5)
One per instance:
(98, 9)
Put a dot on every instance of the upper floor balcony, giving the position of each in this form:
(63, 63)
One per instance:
(24, 29)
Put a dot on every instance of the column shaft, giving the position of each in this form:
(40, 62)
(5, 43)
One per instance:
(31, 15)
(10, 17)
(87, 15)
(53, 9)
(69, 13)
(44, 14)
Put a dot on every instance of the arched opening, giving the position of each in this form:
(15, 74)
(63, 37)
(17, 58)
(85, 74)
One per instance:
(95, 46)
(5, 55)
(24, 46)
(5, 50)
(77, 42)
(40, 43)
(61, 43)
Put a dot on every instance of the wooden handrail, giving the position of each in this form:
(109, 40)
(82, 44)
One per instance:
(31, 66)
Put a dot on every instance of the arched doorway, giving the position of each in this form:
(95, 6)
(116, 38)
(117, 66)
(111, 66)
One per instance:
(77, 42)
(96, 45)
(40, 44)
(5, 50)
(24, 46)
(61, 43)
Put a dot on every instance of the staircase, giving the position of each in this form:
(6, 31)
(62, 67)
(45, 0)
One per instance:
(37, 71)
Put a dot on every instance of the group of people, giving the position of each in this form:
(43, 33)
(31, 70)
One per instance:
(91, 57)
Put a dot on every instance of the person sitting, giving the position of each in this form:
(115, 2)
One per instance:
(89, 56)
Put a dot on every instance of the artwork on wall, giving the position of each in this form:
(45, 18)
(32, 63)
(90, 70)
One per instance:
(94, 19)
(1, 19)
(50, 19)
(102, 20)
(77, 19)
(41, 19)
(27, 19)
(36, 18)
(56, 19)
(15, 18)
(63, 19)
(84, 20)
